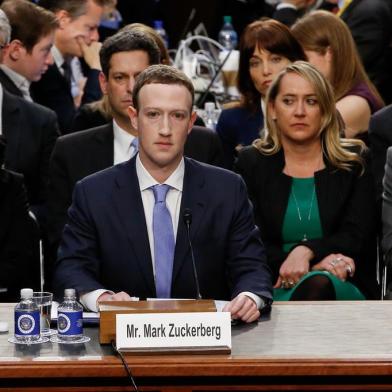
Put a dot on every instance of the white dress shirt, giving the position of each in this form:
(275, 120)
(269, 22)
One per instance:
(173, 203)
(19, 80)
(122, 144)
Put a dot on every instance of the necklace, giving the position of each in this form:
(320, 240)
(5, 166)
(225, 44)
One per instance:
(305, 238)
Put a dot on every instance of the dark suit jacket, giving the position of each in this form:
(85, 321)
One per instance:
(346, 205)
(380, 137)
(287, 15)
(15, 245)
(53, 92)
(31, 131)
(370, 25)
(83, 153)
(9, 85)
(238, 126)
(105, 242)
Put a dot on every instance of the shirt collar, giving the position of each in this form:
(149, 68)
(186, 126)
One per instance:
(57, 56)
(175, 180)
(20, 81)
(123, 137)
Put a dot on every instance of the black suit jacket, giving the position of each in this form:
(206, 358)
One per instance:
(105, 242)
(371, 28)
(15, 238)
(31, 131)
(380, 137)
(53, 92)
(346, 205)
(9, 85)
(83, 153)
(287, 15)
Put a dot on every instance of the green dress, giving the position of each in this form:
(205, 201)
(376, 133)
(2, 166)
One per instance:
(302, 222)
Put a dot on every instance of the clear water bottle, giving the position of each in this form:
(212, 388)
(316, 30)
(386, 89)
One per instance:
(27, 318)
(228, 37)
(210, 117)
(158, 27)
(70, 318)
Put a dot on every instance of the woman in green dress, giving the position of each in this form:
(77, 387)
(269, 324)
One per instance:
(312, 193)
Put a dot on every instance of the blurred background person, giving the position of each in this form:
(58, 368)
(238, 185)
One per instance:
(313, 194)
(329, 46)
(266, 47)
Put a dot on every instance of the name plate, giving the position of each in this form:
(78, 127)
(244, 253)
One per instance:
(174, 332)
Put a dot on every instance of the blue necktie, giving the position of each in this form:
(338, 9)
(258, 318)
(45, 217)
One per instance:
(164, 242)
(135, 145)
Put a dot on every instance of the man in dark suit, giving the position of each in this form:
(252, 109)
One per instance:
(31, 131)
(78, 155)
(28, 54)
(118, 238)
(61, 87)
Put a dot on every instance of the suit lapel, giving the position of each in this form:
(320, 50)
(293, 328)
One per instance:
(193, 199)
(11, 127)
(129, 206)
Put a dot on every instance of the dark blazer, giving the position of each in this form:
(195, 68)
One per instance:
(9, 85)
(370, 25)
(105, 242)
(31, 131)
(83, 153)
(287, 15)
(380, 137)
(15, 245)
(53, 92)
(346, 205)
(238, 126)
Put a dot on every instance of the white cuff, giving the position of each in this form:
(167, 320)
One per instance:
(89, 300)
(253, 297)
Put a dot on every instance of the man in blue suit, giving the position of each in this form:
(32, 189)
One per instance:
(121, 240)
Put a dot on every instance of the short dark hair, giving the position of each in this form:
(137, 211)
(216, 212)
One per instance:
(75, 8)
(267, 34)
(41, 22)
(126, 41)
(164, 74)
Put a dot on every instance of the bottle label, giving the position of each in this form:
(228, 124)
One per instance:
(70, 323)
(27, 324)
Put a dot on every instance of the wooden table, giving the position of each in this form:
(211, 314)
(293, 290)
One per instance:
(302, 346)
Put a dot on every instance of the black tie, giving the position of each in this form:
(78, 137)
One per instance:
(66, 66)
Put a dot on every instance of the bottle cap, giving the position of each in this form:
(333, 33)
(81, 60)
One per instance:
(227, 19)
(69, 293)
(26, 293)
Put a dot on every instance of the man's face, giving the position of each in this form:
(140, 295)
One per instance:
(36, 63)
(124, 67)
(163, 120)
(84, 27)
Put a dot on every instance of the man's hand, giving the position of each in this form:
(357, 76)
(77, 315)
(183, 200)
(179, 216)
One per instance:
(243, 308)
(90, 53)
(121, 296)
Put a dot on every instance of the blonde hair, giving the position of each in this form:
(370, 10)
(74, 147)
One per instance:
(320, 30)
(341, 153)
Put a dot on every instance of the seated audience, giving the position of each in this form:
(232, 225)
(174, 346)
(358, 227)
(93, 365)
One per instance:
(328, 43)
(126, 231)
(28, 55)
(15, 237)
(65, 84)
(266, 47)
(313, 194)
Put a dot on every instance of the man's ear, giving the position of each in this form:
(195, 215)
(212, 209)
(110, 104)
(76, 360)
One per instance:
(132, 113)
(63, 18)
(15, 49)
(103, 83)
(192, 121)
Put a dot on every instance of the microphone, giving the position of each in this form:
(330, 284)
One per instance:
(187, 217)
